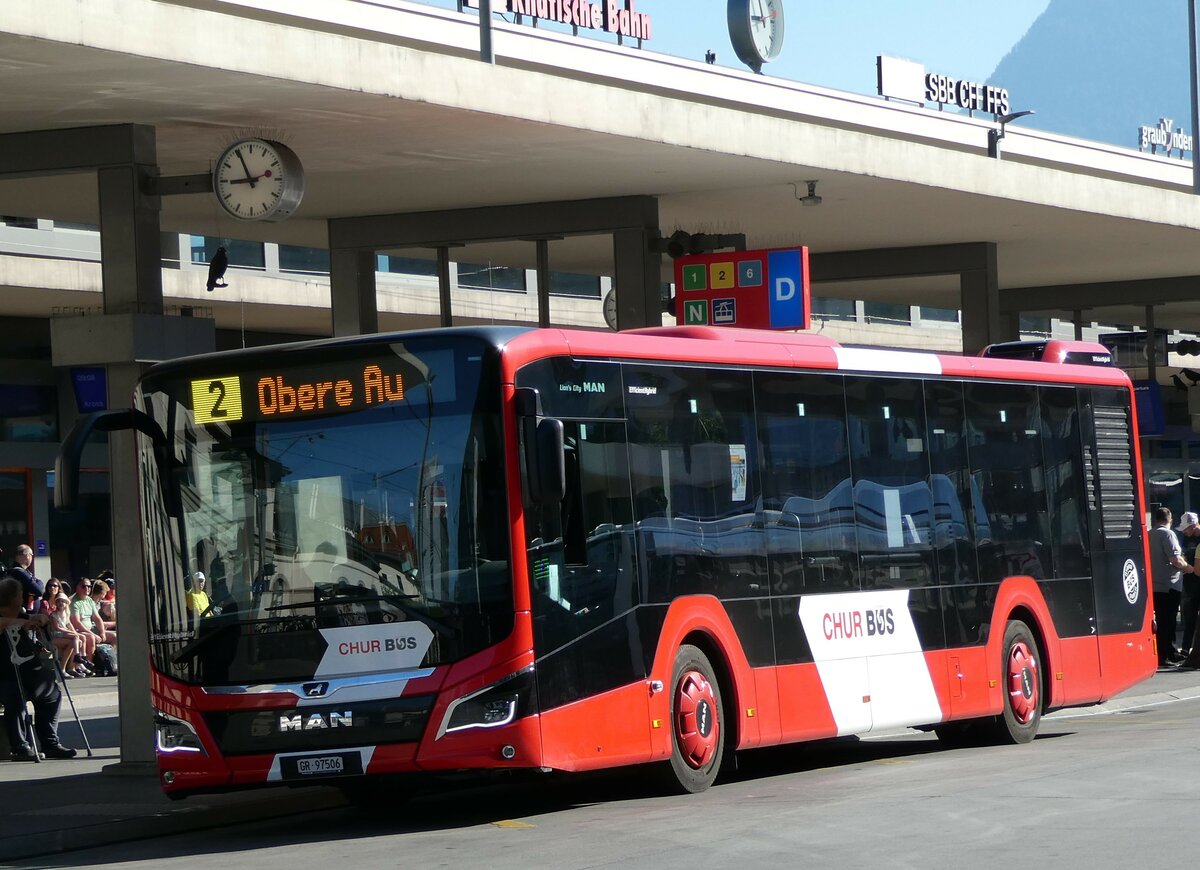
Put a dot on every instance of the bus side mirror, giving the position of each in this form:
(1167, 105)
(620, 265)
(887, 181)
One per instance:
(548, 468)
(66, 463)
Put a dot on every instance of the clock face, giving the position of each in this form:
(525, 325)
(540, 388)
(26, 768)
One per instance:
(756, 30)
(258, 180)
(610, 309)
(766, 23)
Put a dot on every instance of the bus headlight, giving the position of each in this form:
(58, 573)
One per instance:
(174, 735)
(492, 706)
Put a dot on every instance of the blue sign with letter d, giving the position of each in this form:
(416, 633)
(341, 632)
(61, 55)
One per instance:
(785, 284)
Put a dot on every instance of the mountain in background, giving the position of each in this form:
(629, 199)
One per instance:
(1100, 69)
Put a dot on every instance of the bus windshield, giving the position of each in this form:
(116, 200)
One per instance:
(299, 508)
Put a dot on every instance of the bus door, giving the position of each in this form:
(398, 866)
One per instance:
(1121, 584)
(590, 661)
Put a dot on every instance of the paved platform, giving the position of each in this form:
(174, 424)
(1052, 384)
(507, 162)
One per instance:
(59, 806)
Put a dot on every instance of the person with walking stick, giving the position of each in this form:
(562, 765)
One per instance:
(27, 675)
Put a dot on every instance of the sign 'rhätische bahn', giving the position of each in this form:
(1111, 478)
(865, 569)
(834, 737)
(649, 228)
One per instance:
(613, 16)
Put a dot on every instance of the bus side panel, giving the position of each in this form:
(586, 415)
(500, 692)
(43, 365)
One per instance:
(1079, 663)
(605, 730)
(1126, 660)
(704, 615)
(804, 709)
(769, 714)
(987, 676)
(968, 692)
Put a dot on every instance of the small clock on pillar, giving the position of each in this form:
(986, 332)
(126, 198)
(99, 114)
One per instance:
(258, 180)
(756, 30)
(610, 308)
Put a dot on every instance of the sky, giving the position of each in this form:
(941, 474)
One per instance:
(834, 43)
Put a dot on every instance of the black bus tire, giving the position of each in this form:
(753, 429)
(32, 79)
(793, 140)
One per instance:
(1021, 677)
(698, 723)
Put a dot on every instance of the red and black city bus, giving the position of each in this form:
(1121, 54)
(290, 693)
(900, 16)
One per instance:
(491, 548)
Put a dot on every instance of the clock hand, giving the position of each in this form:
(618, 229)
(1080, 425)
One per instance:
(250, 179)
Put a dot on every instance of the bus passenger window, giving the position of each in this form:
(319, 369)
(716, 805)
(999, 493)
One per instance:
(893, 505)
(1003, 424)
(694, 474)
(808, 494)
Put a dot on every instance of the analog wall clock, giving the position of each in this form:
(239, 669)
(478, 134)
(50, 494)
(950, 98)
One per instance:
(610, 309)
(258, 180)
(756, 30)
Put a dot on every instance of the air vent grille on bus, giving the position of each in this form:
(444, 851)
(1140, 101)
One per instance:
(1115, 466)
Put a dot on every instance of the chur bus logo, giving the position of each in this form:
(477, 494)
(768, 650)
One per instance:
(1129, 576)
(316, 721)
(217, 400)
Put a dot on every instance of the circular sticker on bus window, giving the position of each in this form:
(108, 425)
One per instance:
(1129, 576)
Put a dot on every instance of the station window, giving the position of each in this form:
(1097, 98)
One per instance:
(939, 315)
(491, 277)
(887, 312)
(405, 265)
(247, 255)
(304, 261)
(570, 284)
(28, 413)
(1034, 325)
(825, 308)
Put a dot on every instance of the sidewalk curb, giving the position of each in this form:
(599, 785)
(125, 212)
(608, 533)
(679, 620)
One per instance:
(1119, 705)
(181, 820)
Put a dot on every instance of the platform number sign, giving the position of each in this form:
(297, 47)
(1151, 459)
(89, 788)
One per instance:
(695, 312)
(217, 400)
(765, 289)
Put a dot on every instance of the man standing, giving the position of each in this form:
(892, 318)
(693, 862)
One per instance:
(36, 684)
(22, 570)
(1167, 567)
(1189, 538)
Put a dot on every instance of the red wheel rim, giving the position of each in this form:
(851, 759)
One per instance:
(696, 727)
(1022, 682)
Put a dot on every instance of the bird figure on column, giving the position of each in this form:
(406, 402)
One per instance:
(216, 269)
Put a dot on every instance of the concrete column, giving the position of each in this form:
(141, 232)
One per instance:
(638, 276)
(446, 284)
(355, 310)
(137, 724)
(982, 322)
(131, 269)
(130, 246)
(543, 282)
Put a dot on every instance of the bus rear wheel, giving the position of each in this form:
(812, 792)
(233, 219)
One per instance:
(1022, 677)
(697, 722)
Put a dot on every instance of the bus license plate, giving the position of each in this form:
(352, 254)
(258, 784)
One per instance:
(336, 764)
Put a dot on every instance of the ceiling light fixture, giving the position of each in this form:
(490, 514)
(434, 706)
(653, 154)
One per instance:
(812, 198)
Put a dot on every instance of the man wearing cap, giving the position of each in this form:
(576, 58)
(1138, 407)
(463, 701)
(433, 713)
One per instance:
(197, 596)
(1167, 566)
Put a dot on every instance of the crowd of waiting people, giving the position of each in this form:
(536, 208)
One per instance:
(48, 635)
(83, 617)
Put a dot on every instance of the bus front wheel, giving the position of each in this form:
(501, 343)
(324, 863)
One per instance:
(1022, 677)
(697, 722)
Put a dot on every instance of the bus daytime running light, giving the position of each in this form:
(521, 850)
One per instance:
(174, 735)
(493, 706)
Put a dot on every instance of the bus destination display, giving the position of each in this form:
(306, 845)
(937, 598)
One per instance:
(296, 394)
